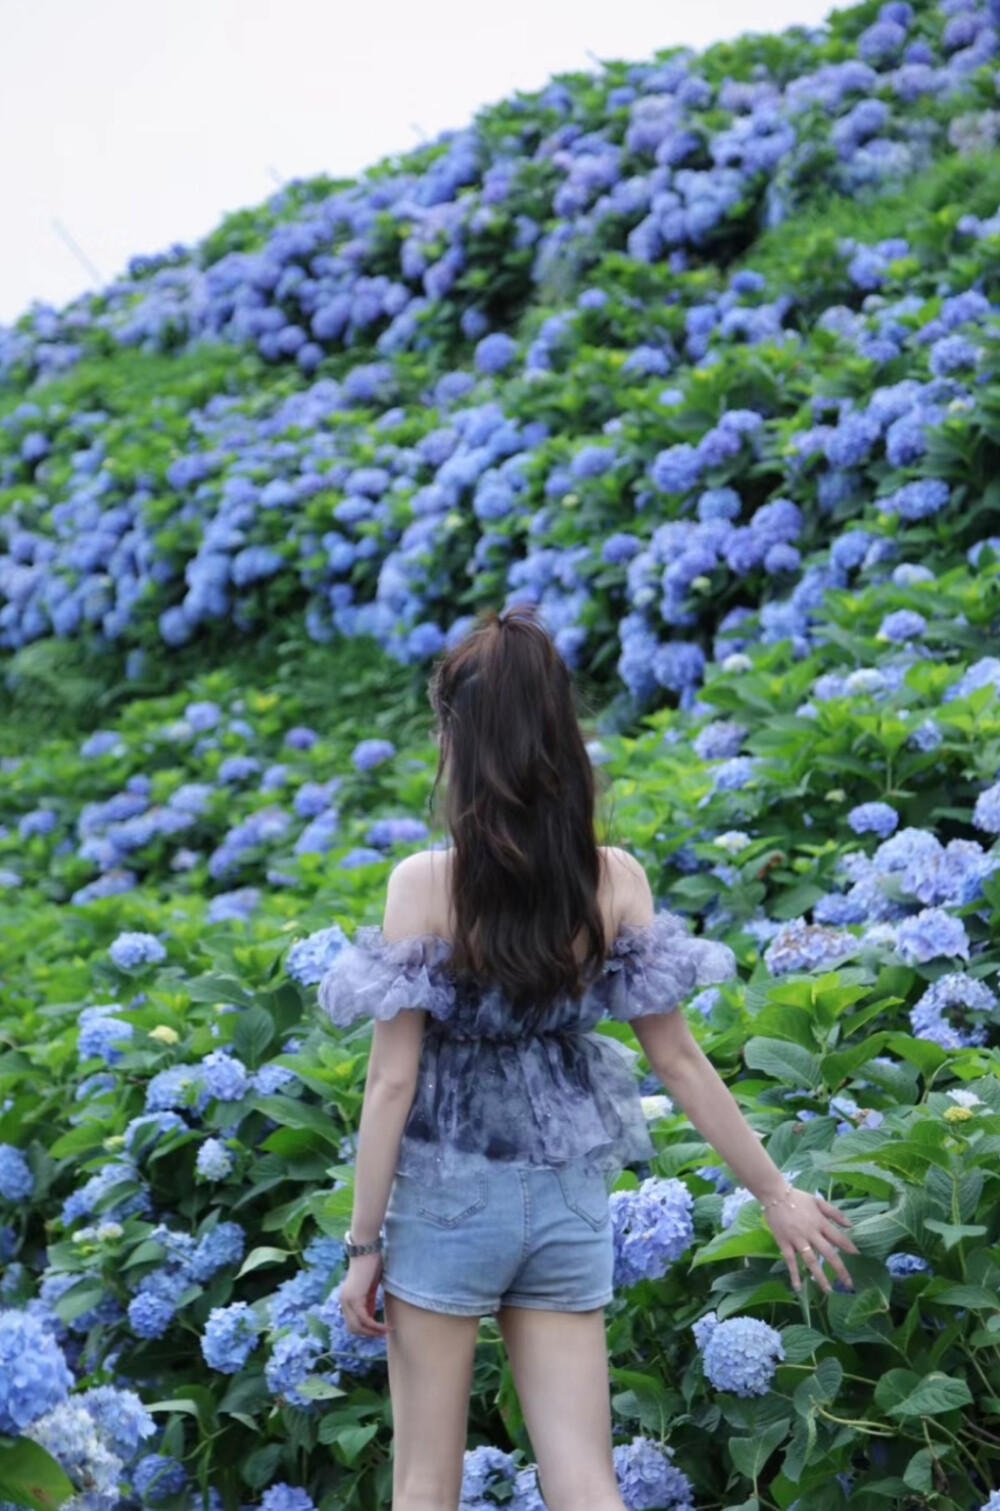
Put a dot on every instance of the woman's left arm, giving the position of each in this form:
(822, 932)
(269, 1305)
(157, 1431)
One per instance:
(390, 1084)
(389, 1089)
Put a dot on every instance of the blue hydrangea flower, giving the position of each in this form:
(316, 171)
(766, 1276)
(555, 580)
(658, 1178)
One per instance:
(271, 1078)
(734, 1201)
(16, 1179)
(739, 1354)
(309, 959)
(483, 1469)
(69, 1433)
(953, 991)
(647, 1478)
(719, 740)
(222, 1246)
(130, 951)
(149, 1316)
(352, 1354)
(495, 352)
(873, 818)
(34, 1375)
(230, 1337)
(902, 625)
(369, 753)
(917, 500)
(214, 1160)
(930, 934)
(121, 1416)
(177, 1086)
(282, 1497)
(156, 1477)
(801, 946)
(652, 1228)
(906, 1264)
(223, 1076)
(986, 813)
(291, 1362)
(101, 1033)
(296, 1296)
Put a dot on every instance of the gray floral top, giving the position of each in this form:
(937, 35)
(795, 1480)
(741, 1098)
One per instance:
(489, 1089)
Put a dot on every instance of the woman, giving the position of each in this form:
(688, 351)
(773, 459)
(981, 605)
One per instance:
(494, 1117)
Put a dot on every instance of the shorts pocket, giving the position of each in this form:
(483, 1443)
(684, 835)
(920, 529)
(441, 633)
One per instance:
(453, 1201)
(585, 1193)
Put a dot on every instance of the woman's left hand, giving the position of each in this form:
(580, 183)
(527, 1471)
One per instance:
(357, 1296)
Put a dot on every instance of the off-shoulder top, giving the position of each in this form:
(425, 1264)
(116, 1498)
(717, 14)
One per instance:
(488, 1088)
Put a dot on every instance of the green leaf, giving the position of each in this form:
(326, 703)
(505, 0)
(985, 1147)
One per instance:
(219, 989)
(894, 1386)
(292, 1114)
(784, 1061)
(917, 1474)
(954, 1232)
(934, 1394)
(923, 1053)
(260, 1467)
(199, 1402)
(751, 1454)
(351, 1440)
(319, 1390)
(30, 1476)
(976, 1297)
(78, 1298)
(257, 1258)
(819, 1387)
(253, 1035)
(737, 1245)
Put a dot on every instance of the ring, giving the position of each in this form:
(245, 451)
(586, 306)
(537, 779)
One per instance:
(807, 1248)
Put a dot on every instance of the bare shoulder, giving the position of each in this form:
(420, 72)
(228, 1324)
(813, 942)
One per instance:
(632, 898)
(416, 895)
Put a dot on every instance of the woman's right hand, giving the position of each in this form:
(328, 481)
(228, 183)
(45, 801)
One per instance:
(803, 1226)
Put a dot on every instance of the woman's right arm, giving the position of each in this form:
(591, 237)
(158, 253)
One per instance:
(696, 1086)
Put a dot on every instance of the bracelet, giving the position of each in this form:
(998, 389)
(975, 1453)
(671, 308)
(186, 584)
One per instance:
(788, 1194)
(356, 1250)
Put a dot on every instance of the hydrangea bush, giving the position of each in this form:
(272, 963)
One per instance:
(699, 356)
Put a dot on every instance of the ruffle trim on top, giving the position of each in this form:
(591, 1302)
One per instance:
(652, 967)
(649, 968)
(375, 978)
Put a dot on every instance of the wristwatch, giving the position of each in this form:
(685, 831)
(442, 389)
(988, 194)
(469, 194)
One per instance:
(355, 1250)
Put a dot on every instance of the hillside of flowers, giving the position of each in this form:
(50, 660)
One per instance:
(700, 355)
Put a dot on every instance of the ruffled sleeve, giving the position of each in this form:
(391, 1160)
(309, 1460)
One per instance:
(373, 978)
(652, 967)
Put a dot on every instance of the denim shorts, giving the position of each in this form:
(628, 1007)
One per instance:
(515, 1235)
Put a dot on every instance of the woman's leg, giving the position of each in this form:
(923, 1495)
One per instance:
(430, 1357)
(559, 1362)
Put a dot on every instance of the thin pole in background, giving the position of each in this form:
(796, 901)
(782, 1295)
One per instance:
(78, 252)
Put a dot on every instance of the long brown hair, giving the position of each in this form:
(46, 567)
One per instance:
(520, 797)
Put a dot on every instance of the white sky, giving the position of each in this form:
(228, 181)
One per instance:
(131, 124)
